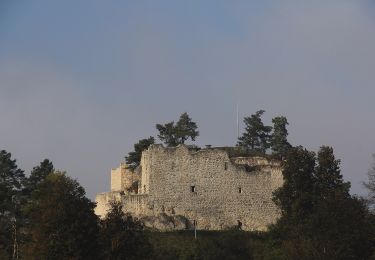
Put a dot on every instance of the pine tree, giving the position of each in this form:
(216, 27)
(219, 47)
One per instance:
(11, 185)
(257, 136)
(328, 174)
(320, 219)
(11, 182)
(38, 175)
(185, 129)
(279, 140)
(134, 158)
(174, 134)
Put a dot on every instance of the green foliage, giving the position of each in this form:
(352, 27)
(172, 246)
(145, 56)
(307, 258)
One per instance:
(299, 182)
(185, 129)
(174, 134)
(167, 134)
(338, 228)
(38, 175)
(320, 220)
(62, 221)
(279, 141)
(11, 179)
(6, 235)
(121, 236)
(328, 175)
(134, 158)
(257, 135)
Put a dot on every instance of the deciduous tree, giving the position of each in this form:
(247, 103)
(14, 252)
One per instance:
(299, 182)
(63, 224)
(122, 237)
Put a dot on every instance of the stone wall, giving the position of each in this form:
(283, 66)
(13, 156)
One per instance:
(102, 202)
(116, 176)
(206, 187)
(123, 178)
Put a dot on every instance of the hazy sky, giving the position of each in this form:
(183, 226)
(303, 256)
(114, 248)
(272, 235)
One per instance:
(82, 81)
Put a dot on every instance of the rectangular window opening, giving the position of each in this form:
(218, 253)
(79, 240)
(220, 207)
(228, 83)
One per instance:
(226, 166)
(192, 188)
(239, 190)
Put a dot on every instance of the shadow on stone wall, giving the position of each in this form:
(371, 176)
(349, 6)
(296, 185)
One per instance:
(166, 223)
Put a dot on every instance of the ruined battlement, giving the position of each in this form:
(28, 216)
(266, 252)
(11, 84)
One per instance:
(205, 186)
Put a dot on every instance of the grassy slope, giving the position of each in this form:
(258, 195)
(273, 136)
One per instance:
(208, 245)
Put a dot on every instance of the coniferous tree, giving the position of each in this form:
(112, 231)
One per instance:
(11, 179)
(328, 174)
(185, 129)
(38, 175)
(167, 134)
(134, 158)
(320, 220)
(257, 136)
(279, 141)
(174, 134)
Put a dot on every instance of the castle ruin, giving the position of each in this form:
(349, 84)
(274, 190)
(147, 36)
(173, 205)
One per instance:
(177, 188)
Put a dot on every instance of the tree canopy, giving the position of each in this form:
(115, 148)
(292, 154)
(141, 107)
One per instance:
(134, 158)
(256, 136)
(320, 219)
(279, 138)
(174, 134)
(38, 175)
(62, 221)
(11, 182)
(121, 235)
(11, 185)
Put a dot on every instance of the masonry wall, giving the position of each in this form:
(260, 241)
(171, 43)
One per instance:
(123, 178)
(116, 176)
(103, 202)
(207, 187)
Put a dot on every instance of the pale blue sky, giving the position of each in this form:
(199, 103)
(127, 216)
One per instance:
(81, 81)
